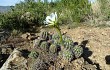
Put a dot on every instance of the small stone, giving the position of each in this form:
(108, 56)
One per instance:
(25, 36)
(4, 50)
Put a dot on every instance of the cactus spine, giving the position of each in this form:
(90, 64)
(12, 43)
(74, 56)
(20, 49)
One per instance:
(78, 51)
(53, 48)
(44, 35)
(68, 43)
(44, 46)
(67, 55)
(33, 54)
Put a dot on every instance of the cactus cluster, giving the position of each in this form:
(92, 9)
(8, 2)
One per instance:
(78, 51)
(68, 52)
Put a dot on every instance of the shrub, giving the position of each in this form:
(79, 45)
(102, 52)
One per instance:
(74, 10)
(24, 15)
(105, 9)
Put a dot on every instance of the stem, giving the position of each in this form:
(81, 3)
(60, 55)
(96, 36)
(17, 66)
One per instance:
(59, 32)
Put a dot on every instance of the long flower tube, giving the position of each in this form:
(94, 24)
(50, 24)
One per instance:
(51, 21)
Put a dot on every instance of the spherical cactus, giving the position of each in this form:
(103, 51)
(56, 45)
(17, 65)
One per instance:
(67, 55)
(55, 37)
(68, 43)
(44, 35)
(57, 42)
(65, 37)
(53, 48)
(78, 51)
(44, 46)
(33, 54)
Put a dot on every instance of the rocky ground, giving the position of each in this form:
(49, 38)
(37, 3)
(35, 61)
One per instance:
(96, 54)
(98, 43)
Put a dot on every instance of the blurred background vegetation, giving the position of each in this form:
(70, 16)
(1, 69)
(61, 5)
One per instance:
(30, 14)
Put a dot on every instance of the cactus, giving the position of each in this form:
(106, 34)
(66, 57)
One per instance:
(37, 42)
(44, 46)
(67, 42)
(44, 35)
(53, 48)
(78, 51)
(55, 37)
(57, 42)
(33, 54)
(65, 37)
(67, 55)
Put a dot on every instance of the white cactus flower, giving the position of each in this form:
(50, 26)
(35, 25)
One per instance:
(51, 20)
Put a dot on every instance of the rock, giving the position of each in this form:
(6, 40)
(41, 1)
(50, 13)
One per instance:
(7, 50)
(25, 36)
(4, 35)
(32, 37)
(39, 65)
(64, 33)
(4, 51)
(89, 67)
(15, 62)
(29, 36)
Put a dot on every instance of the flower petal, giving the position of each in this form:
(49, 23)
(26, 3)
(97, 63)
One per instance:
(48, 19)
(55, 16)
(52, 15)
(51, 20)
(45, 22)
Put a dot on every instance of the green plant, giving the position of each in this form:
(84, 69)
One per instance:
(44, 45)
(57, 42)
(53, 48)
(105, 9)
(67, 42)
(23, 16)
(45, 35)
(33, 54)
(74, 10)
(67, 55)
(77, 50)
(55, 38)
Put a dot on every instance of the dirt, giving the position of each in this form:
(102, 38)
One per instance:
(98, 43)
(96, 54)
